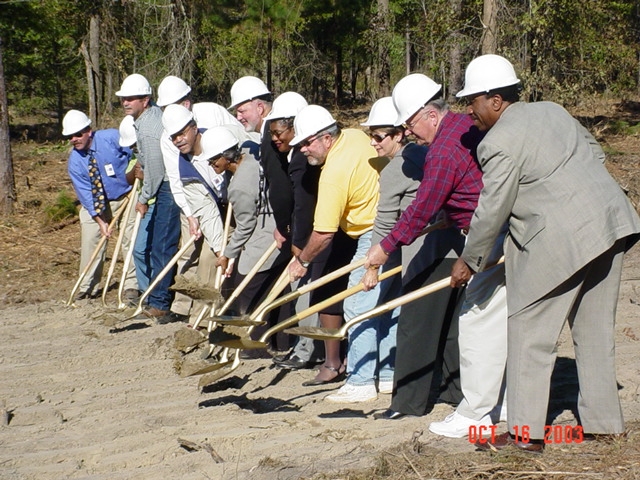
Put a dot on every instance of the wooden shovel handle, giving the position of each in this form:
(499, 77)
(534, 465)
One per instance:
(324, 304)
(128, 258)
(96, 252)
(238, 290)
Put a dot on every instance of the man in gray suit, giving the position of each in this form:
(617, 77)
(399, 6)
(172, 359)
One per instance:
(569, 226)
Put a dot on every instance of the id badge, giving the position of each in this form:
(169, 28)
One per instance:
(109, 169)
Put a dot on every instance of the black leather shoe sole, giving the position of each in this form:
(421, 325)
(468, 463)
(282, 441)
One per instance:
(389, 415)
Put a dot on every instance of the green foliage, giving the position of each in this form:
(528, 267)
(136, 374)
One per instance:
(63, 208)
(562, 48)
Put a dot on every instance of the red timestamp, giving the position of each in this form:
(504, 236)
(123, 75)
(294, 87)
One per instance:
(521, 433)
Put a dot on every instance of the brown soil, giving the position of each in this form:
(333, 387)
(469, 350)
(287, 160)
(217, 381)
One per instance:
(79, 399)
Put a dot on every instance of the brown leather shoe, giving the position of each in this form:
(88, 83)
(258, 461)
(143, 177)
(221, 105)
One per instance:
(153, 312)
(506, 440)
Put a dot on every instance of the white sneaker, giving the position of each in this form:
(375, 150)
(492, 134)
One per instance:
(353, 394)
(457, 426)
(385, 386)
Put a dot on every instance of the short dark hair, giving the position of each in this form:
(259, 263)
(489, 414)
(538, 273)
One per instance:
(509, 94)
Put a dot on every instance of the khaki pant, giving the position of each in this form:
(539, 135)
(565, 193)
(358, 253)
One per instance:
(90, 237)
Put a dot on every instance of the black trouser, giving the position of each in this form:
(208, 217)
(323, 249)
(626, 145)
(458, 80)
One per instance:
(427, 355)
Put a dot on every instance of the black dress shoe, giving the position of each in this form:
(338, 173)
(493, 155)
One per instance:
(293, 362)
(389, 414)
(172, 318)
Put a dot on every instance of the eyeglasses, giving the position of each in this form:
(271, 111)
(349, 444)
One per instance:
(182, 132)
(411, 125)
(214, 160)
(278, 134)
(378, 137)
(308, 141)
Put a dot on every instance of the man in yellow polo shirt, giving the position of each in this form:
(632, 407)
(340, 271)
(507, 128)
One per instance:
(347, 200)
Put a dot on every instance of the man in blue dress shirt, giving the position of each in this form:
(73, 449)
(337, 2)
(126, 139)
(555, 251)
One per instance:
(97, 166)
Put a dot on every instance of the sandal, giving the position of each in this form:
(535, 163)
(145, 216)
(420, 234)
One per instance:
(339, 375)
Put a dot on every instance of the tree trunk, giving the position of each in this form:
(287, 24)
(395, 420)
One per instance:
(384, 27)
(7, 180)
(94, 56)
(489, 23)
(91, 87)
(407, 50)
(455, 54)
(338, 93)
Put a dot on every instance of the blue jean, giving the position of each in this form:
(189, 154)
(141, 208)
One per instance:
(142, 249)
(164, 245)
(372, 342)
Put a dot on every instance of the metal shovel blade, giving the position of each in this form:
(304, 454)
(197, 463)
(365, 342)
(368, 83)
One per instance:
(219, 374)
(234, 337)
(197, 291)
(241, 321)
(316, 333)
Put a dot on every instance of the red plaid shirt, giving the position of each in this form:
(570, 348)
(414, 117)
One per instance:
(452, 182)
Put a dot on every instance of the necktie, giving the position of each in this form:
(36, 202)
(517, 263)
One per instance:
(97, 189)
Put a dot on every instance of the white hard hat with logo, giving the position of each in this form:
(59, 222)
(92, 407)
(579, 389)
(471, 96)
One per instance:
(487, 73)
(127, 132)
(175, 118)
(171, 89)
(286, 105)
(215, 141)
(74, 121)
(309, 121)
(247, 88)
(411, 94)
(135, 85)
(382, 113)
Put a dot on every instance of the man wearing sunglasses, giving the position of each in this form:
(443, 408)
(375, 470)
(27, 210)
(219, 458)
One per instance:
(97, 166)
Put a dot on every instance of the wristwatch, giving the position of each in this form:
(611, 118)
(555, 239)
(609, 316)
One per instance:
(304, 264)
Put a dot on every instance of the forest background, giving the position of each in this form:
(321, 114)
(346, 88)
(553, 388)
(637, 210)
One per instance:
(74, 54)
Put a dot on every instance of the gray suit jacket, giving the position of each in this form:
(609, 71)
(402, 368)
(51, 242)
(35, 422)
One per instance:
(543, 172)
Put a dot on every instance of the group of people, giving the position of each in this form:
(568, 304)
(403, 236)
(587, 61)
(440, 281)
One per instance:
(521, 216)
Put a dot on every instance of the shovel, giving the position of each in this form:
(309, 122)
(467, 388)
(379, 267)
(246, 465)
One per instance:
(113, 321)
(127, 260)
(261, 261)
(277, 288)
(340, 333)
(95, 253)
(230, 338)
(116, 250)
(217, 282)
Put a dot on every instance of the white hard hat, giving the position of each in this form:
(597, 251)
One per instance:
(74, 121)
(133, 86)
(170, 90)
(215, 141)
(382, 113)
(412, 93)
(487, 73)
(127, 132)
(247, 88)
(175, 117)
(286, 105)
(309, 121)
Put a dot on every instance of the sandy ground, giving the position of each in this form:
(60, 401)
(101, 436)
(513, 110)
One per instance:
(86, 402)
